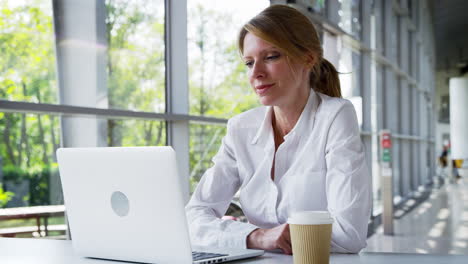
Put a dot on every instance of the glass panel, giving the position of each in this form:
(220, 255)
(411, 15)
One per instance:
(377, 25)
(399, 44)
(205, 141)
(398, 171)
(392, 34)
(101, 132)
(27, 57)
(350, 79)
(347, 14)
(316, 6)
(218, 83)
(29, 175)
(129, 132)
(121, 66)
(135, 66)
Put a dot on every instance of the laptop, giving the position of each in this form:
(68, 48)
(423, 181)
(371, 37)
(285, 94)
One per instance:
(126, 203)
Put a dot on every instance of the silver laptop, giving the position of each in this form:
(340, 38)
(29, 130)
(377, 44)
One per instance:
(125, 203)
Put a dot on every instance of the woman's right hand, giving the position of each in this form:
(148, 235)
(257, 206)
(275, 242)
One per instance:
(270, 239)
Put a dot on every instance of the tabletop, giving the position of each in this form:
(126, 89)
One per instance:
(42, 251)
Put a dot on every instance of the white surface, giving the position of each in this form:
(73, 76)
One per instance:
(44, 251)
(459, 117)
(148, 177)
(310, 218)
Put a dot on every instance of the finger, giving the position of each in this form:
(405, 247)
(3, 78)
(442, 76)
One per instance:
(287, 239)
(287, 235)
(286, 248)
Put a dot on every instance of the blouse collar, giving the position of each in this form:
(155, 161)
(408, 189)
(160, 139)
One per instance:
(265, 130)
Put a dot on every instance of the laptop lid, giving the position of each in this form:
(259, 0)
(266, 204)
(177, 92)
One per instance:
(125, 203)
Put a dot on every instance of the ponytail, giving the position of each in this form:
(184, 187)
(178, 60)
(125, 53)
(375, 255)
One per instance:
(324, 79)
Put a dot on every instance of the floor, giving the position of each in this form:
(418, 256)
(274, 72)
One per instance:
(437, 226)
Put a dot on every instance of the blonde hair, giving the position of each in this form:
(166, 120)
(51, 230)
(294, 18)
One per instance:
(292, 32)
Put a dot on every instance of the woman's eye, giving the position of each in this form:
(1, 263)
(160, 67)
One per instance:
(249, 64)
(273, 57)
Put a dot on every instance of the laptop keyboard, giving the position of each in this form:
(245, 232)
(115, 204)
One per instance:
(204, 255)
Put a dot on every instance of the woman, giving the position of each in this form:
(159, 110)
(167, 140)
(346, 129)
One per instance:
(300, 151)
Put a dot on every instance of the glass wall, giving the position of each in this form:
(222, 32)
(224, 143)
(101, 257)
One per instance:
(135, 54)
(377, 12)
(350, 78)
(347, 15)
(29, 173)
(28, 146)
(205, 141)
(316, 6)
(27, 61)
(28, 166)
(218, 83)
(135, 132)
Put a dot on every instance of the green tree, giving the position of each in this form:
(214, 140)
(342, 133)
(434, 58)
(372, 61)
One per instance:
(5, 197)
(218, 82)
(27, 73)
(135, 37)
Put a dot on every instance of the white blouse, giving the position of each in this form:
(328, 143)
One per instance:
(319, 166)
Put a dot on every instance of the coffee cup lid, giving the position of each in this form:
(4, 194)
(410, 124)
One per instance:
(310, 218)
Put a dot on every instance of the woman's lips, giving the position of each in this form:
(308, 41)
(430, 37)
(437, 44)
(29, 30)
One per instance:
(262, 89)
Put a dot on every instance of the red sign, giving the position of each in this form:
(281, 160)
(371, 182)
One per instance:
(386, 141)
(386, 144)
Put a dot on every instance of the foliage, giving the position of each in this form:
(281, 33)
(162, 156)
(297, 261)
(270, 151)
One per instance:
(218, 82)
(136, 76)
(27, 73)
(5, 196)
(27, 62)
(38, 178)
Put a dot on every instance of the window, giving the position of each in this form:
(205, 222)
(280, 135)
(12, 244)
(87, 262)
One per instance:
(218, 83)
(135, 64)
(27, 61)
(28, 168)
(28, 157)
(349, 67)
(29, 173)
(377, 33)
(205, 141)
(315, 6)
(347, 15)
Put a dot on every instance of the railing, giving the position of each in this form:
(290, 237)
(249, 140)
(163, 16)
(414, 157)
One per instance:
(40, 213)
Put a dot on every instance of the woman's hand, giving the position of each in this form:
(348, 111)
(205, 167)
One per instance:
(270, 239)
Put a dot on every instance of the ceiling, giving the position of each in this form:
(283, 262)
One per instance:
(450, 19)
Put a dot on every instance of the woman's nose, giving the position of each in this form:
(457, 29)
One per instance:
(258, 70)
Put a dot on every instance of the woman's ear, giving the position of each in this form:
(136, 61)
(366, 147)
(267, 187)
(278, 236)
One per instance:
(311, 60)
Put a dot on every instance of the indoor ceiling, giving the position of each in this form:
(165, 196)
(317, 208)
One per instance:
(450, 19)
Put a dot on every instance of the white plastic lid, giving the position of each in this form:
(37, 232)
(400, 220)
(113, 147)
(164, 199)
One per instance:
(310, 218)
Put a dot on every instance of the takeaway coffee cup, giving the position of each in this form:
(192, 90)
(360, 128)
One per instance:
(311, 236)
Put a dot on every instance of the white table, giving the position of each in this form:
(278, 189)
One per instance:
(46, 251)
